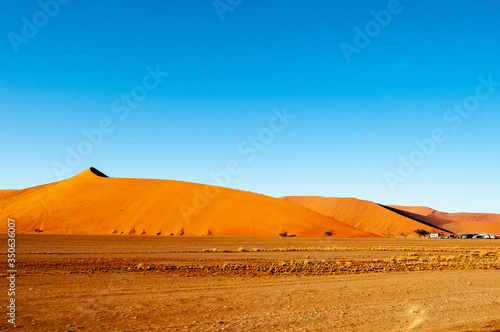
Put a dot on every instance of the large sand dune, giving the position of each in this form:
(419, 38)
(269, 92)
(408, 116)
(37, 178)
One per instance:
(365, 215)
(92, 203)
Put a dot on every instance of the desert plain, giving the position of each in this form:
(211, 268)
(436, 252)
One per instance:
(192, 283)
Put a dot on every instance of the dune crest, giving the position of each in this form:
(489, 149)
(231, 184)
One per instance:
(92, 203)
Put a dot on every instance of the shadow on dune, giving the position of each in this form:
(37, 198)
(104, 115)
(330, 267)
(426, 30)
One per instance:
(98, 172)
(417, 217)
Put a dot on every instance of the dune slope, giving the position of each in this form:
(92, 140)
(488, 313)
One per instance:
(364, 215)
(92, 203)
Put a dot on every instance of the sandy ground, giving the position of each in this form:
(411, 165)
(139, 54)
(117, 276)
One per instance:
(147, 283)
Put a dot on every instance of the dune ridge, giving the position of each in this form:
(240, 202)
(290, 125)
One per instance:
(429, 221)
(92, 203)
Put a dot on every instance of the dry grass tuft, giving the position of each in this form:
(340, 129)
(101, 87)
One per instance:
(484, 253)
(435, 258)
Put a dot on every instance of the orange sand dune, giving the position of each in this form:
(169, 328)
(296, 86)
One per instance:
(4, 191)
(364, 215)
(425, 211)
(91, 203)
(473, 227)
(458, 223)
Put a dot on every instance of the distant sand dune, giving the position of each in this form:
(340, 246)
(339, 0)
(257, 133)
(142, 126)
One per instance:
(364, 215)
(92, 203)
(425, 211)
(457, 222)
(396, 220)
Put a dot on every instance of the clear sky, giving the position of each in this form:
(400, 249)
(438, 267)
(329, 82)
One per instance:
(323, 98)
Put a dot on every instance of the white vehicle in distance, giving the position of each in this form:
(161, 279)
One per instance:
(486, 236)
(434, 236)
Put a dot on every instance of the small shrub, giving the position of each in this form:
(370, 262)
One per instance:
(421, 232)
(328, 233)
(284, 234)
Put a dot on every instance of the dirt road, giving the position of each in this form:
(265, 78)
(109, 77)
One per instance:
(98, 284)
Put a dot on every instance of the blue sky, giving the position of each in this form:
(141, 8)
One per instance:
(347, 125)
